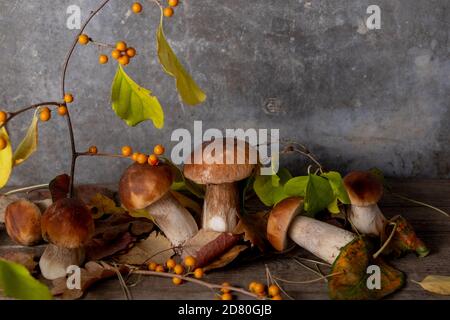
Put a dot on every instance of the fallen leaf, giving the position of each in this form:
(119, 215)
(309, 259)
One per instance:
(90, 274)
(254, 229)
(24, 258)
(156, 248)
(436, 284)
(115, 225)
(226, 258)
(101, 205)
(98, 249)
(6, 159)
(206, 246)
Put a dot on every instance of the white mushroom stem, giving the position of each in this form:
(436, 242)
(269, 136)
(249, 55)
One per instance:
(55, 260)
(322, 239)
(368, 219)
(221, 207)
(173, 219)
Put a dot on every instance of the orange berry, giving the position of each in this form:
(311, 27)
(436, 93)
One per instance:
(198, 273)
(277, 297)
(83, 39)
(178, 269)
(134, 157)
(3, 116)
(103, 59)
(153, 160)
(124, 60)
(152, 266)
(93, 150)
(3, 143)
(136, 7)
(225, 288)
(116, 54)
(121, 46)
(160, 268)
(158, 149)
(62, 110)
(68, 98)
(131, 52)
(171, 263)
(126, 151)
(258, 288)
(227, 296)
(251, 286)
(172, 3)
(177, 281)
(273, 290)
(189, 261)
(45, 114)
(141, 158)
(168, 12)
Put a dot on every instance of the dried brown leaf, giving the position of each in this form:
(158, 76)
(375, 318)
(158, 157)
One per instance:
(254, 229)
(98, 249)
(24, 258)
(226, 258)
(436, 284)
(156, 247)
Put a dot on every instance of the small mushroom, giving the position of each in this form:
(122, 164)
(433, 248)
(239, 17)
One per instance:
(67, 225)
(322, 239)
(23, 222)
(220, 171)
(145, 187)
(364, 191)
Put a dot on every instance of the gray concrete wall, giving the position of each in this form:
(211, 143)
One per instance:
(358, 98)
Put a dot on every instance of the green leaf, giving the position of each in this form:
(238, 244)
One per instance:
(318, 194)
(270, 189)
(337, 185)
(296, 187)
(6, 159)
(189, 91)
(182, 184)
(333, 206)
(133, 103)
(29, 143)
(16, 282)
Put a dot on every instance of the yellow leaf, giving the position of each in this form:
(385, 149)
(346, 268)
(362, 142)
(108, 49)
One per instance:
(436, 284)
(189, 91)
(29, 143)
(133, 103)
(104, 205)
(6, 159)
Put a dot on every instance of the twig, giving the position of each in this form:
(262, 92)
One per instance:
(310, 281)
(386, 243)
(421, 203)
(269, 274)
(123, 285)
(196, 281)
(88, 154)
(26, 189)
(314, 261)
(309, 268)
(13, 114)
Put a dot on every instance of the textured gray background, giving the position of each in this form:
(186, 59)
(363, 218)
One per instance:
(357, 98)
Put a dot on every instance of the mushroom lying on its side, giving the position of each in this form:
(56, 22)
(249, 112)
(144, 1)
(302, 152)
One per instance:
(145, 187)
(23, 222)
(220, 171)
(347, 253)
(67, 225)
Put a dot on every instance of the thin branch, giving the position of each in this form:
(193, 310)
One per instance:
(196, 281)
(310, 281)
(26, 189)
(386, 243)
(13, 114)
(421, 203)
(88, 154)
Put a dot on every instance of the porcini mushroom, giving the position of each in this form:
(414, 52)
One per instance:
(347, 253)
(322, 239)
(67, 225)
(145, 187)
(220, 169)
(23, 222)
(364, 191)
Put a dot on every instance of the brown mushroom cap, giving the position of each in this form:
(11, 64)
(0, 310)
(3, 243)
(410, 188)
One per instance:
(23, 222)
(67, 223)
(209, 172)
(142, 184)
(363, 188)
(280, 219)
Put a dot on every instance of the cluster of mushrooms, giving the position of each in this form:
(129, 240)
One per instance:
(67, 224)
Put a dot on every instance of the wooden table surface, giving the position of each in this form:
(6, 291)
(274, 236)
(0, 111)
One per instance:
(431, 226)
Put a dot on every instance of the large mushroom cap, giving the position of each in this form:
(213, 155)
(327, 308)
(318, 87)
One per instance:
(142, 184)
(280, 219)
(363, 188)
(216, 168)
(67, 223)
(23, 222)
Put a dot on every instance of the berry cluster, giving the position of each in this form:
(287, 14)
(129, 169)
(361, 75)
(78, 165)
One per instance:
(273, 291)
(142, 158)
(169, 11)
(122, 53)
(178, 269)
